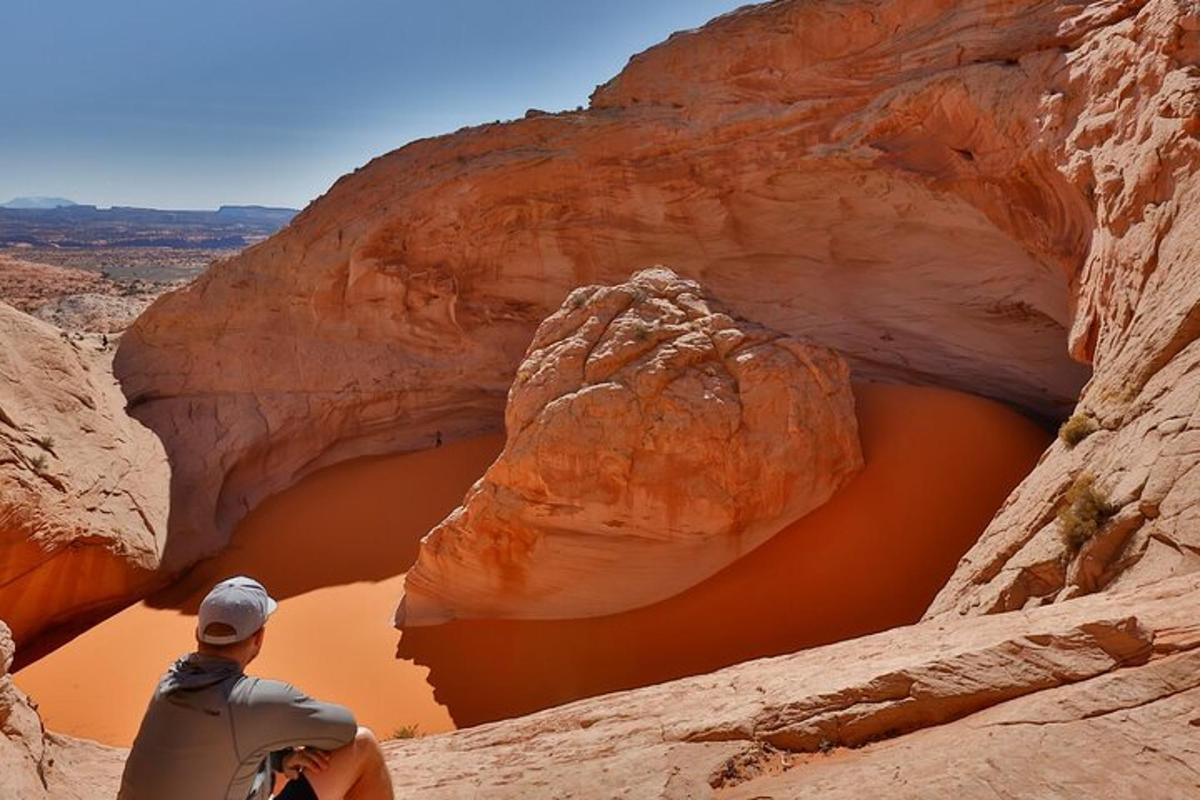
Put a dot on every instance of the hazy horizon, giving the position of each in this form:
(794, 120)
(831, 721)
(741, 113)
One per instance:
(130, 103)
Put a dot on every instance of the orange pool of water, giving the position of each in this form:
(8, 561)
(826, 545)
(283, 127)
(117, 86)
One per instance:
(334, 548)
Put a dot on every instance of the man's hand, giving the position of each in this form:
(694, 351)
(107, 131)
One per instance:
(304, 758)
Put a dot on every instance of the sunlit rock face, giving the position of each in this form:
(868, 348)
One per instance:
(879, 179)
(1124, 112)
(652, 440)
(83, 488)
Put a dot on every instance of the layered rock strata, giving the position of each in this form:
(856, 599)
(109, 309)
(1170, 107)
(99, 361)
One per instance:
(653, 439)
(83, 488)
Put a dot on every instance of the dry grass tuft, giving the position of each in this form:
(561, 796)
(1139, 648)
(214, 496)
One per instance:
(1077, 428)
(1085, 511)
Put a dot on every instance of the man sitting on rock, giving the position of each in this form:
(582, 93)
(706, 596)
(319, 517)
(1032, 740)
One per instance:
(214, 733)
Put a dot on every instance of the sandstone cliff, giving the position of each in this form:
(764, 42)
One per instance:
(879, 179)
(1093, 698)
(652, 441)
(83, 488)
(1099, 101)
(1116, 502)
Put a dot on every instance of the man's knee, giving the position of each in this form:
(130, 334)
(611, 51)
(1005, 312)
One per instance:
(365, 739)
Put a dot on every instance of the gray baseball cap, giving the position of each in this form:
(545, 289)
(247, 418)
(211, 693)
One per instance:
(241, 603)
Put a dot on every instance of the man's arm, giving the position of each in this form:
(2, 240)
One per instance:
(275, 716)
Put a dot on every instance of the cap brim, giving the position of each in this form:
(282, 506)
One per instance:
(271, 606)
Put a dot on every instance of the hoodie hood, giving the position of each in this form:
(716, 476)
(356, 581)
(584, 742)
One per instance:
(196, 671)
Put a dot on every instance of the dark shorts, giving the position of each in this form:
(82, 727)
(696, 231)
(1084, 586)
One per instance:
(298, 789)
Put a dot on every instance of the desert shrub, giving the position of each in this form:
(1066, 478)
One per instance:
(45, 442)
(38, 462)
(826, 746)
(1077, 428)
(407, 732)
(1084, 511)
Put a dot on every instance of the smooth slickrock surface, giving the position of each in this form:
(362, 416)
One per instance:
(653, 439)
(1014, 705)
(83, 488)
(870, 177)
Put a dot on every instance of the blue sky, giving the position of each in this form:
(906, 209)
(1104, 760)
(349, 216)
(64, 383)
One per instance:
(191, 104)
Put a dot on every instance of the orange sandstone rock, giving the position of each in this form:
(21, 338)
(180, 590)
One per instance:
(83, 488)
(870, 177)
(652, 440)
(1088, 698)
(1121, 119)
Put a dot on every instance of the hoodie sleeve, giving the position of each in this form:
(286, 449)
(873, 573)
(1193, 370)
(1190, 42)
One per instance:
(274, 716)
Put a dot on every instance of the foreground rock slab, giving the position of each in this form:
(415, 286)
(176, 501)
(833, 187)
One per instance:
(83, 488)
(1044, 703)
(653, 439)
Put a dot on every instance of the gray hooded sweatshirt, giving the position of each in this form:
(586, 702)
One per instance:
(213, 733)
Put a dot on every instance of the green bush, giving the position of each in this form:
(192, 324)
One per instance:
(1084, 511)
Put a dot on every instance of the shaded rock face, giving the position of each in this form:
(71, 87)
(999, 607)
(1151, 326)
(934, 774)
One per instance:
(83, 488)
(880, 180)
(36, 765)
(652, 440)
(1125, 115)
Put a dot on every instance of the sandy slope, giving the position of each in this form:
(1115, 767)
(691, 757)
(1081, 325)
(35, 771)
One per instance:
(333, 548)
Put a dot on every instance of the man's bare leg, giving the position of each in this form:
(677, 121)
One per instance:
(355, 772)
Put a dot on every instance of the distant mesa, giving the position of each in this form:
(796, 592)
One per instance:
(41, 203)
(57, 223)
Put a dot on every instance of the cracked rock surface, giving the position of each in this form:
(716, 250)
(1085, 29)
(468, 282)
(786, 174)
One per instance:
(652, 440)
(1122, 122)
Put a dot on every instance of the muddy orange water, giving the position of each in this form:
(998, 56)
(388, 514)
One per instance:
(334, 547)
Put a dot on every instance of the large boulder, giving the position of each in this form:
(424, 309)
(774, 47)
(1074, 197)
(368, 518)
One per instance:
(875, 177)
(652, 440)
(83, 488)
